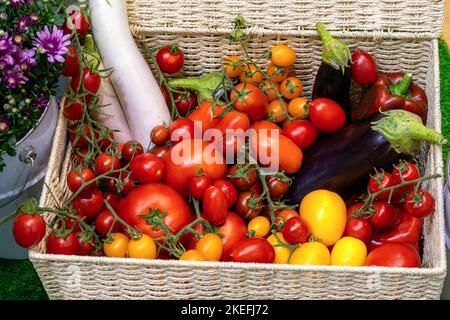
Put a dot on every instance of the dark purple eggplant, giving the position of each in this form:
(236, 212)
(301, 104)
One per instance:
(343, 161)
(333, 78)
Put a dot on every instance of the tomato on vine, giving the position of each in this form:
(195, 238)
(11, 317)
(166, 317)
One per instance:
(130, 150)
(147, 168)
(117, 246)
(210, 246)
(28, 229)
(143, 248)
(105, 222)
(381, 180)
(78, 176)
(198, 186)
(419, 204)
(106, 163)
(170, 59)
(62, 243)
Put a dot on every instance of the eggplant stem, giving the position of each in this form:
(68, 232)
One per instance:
(205, 86)
(423, 133)
(335, 52)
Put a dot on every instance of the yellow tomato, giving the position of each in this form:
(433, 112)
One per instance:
(260, 226)
(269, 91)
(311, 253)
(144, 248)
(325, 215)
(276, 73)
(250, 74)
(232, 66)
(117, 247)
(210, 246)
(291, 88)
(296, 107)
(192, 255)
(349, 251)
(282, 55)
(281, 253)
(275, 111)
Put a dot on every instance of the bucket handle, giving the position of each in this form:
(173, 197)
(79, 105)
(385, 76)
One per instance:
(27, 156)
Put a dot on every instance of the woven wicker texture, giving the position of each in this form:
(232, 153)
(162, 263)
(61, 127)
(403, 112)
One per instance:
(73, 277)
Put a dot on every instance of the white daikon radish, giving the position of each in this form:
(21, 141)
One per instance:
(136, 87)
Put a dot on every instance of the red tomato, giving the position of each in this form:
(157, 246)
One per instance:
(198, 186)
(353, 209)
(188, 157)
(71, 63)
(384, 216)
(265, 125)
(378, 180)
(170, 59)
(75, 179)
(91, 82)
(161, 152)
(62, 245)
(394, 255)
(155, 196)
(113, 199)
(251, 100)
(364, 68)
(277, 187)
(130, 150)
(283, 216)
(296, 231)
(181, 129)
(105, 222)
(242, 178)
(104, 138)
(185, 102)
(215, 205)
(80, 157)
(28, 229)
(232, 231)
(326, 115)
(253, 250)
(128, 182)
(206, 115)
(165, 95)
(73, 110)
(147, 168)
(359, 228)
(408, 172)
(105, 163)
(85, 248)
(159, 134)
(91, 206)
(80, 23)
(228, 189)
(72, 224)
(419, 204)
(302, 132)
(233, 126)
(247, 205)
(191, 239)
(79, 136)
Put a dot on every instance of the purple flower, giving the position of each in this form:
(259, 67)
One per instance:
(54, 44)
(22, 23)
(18, 38)
(26, 59)
(34, 18)
(7, 49)
(4, 125)
(13, 78)
(40, 102)
(18, 3)
(3, 16)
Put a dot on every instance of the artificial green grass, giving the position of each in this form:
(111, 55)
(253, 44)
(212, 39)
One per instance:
(19, 281)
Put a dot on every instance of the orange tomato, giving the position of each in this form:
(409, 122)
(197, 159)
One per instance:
(269, 91)
(276, 111)
(296, 107)
(143, 248)
(277, 73)
(232, 66)
(207, 115)
(250, 74)
(291, 88)
(282, 55)
(117, 247)
(192, 255)
(264, 124)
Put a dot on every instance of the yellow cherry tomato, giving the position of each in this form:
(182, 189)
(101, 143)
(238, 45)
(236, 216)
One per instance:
(291, 88)
(192, 255)
(282, 55)
(210, 246)
(277, 73)
(260, 226)
(232, 66)
(143, 248)
(296, 107)
(275, 111)
(349, 251)
(311, 253)
(118, 247)
(269, 91)
(281, 253)
(250, 74)
(325, 215)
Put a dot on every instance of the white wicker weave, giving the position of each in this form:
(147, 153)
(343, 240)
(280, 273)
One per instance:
(400, 34)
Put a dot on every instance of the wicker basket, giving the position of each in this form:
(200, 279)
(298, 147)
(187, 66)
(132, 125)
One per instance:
(400, 34)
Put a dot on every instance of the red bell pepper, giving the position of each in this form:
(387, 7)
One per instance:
(406, 231)
(392, 91)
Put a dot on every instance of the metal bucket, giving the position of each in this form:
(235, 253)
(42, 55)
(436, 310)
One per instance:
(24, 173)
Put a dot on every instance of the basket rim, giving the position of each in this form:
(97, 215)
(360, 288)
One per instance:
(37, 257)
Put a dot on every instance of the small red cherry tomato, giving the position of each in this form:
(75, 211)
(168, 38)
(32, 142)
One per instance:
(302, 132)
(147, 168)
(419, 204)
(198, 186)
(181, 129)
(379, 180)
(326, 115)
(215, 205)
(170, 59)
(253, 250)
(295, 231)
(364, 68)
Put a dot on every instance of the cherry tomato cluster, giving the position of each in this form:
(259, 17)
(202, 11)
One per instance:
(392, 212)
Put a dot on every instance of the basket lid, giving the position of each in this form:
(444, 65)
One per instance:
(396, 19)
